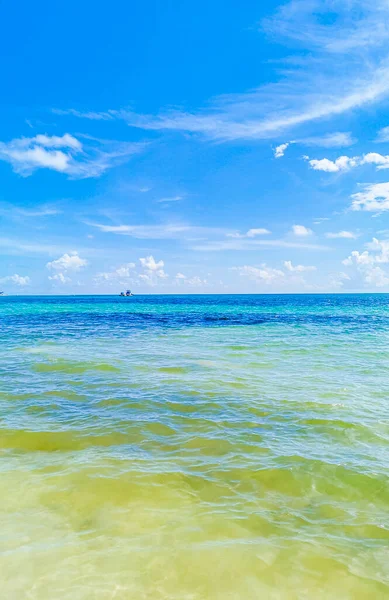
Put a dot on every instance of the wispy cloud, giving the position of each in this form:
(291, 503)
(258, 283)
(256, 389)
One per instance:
(329, 140)
(122, 274)
(251, 233)
(356, 25)
(245, 244)
(42, 211)
(338, 139)
(348, 235)
(298, 268)
(383, 135)
(171, 199)
(66, 154)
(194, 281)
(264, 273)
(341, 63)
(290, 277)
(24, 247)
(162, 231)
(273, 277)
(320, 220)
(199, 237)
(94, 116)
(16, 212)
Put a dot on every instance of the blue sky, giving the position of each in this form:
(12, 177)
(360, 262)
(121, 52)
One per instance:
(194, 147)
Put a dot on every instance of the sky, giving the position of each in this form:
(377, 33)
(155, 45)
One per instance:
(194, 147)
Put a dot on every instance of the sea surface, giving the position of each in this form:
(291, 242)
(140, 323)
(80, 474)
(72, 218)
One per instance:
(194, 447)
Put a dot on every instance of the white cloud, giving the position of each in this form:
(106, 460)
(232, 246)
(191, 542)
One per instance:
(374, 197)
(358, 258)
(368, 262)
(150, 263)
(67, 262)
(118, 275)
(251, 233)
(180, 276)
(374, 158)
(20, 280)
(196, 281)
(377, 253)
(27, 160)
(377, 277)
(66, 154)
(153, 269)
(146, 278)
(381, 247)
(125, 270)
(337, 280)
(341, 234)
(263, 273)
(343, 163)
(259, 231)
(383, 135)
(280, 150)
(298, 268)
(54, 141)
(28, 154)
(151, 273)
(291, 278)
(60, 278)
(301, 230)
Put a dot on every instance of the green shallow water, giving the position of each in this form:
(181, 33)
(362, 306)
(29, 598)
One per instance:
(194, 448)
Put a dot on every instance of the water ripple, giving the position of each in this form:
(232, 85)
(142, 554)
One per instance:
(197, 448)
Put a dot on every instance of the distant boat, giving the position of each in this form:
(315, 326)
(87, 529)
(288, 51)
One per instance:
(127, 294)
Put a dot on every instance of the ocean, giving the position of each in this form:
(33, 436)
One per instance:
(194, 447)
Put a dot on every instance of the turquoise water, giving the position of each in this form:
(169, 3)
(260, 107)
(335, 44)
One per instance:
(194, 447)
